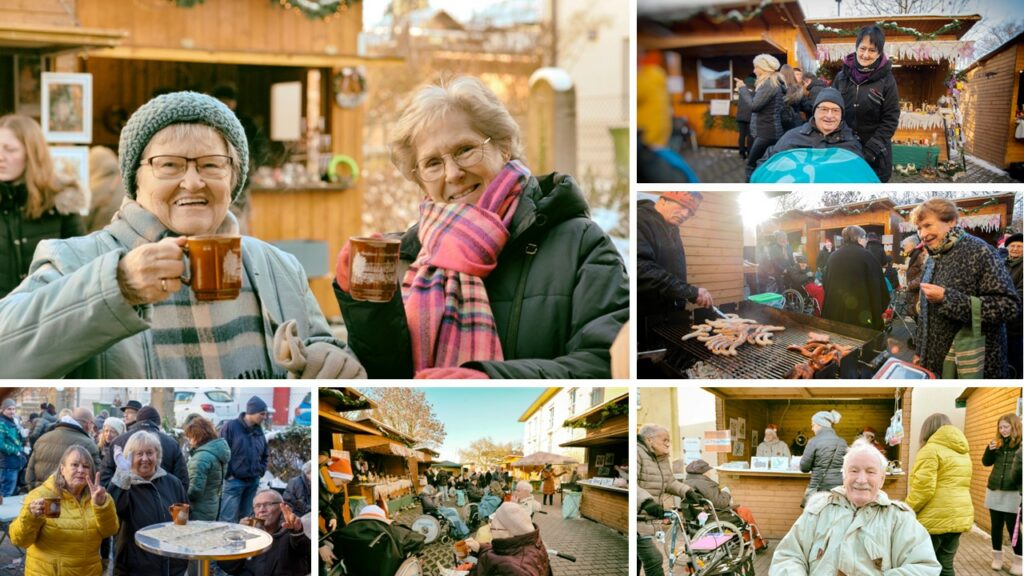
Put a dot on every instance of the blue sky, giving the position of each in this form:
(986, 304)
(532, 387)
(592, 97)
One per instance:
(461, 10)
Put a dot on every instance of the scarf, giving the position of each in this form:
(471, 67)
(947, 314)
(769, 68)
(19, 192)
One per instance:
(446, 303)
(861, 74)
(952, 237)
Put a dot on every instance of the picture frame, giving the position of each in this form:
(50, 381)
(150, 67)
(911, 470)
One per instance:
(66, 107)
(760, 463)
(609, 459)
(599, 461)
(72, 163)
(28, 69)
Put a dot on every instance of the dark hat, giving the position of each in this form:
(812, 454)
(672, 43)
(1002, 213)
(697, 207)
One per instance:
(132, 405)
(148, 413)
(697, 467)
(1018, 237)
(255, 405)
(830, 95)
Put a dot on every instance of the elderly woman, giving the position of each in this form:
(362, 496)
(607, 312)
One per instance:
(872, 99)
(856, 529)
(656, 486)
(113, 303)
(35, 203)
(772, 446)
(207, 467)
(143, 496)
(69, 543)
(515, 548)
(507, 277)
(766, 102)
(823, 456)
(960, 268)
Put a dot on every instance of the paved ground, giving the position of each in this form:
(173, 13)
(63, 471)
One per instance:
(724, 165)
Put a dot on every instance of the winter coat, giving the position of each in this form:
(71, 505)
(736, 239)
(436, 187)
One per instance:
(1015, 327)
(298, 494)
(873, 111)
(171, 460)
(823, 458)
(523, 555)
(654, 481)
(940, 483)
(44, 423)
(489, 504)
(49, 449)
(207, 468)
(65, 546)
(559, 295)
(775, 449)
(743, 111)
(822, 262)
(653, 106)
(1002, 460)
(834, 537)
(71, 302)
(915, 267)
(19, 235)
(548, 485)
(248, 449)
(288, 555)
(660, 264)
(807, 135)
(710, 490)
(142, 503)
(970, 268)
(875, 248)
(854, 288)
(766, 103)
(10, 444)
(780, 259)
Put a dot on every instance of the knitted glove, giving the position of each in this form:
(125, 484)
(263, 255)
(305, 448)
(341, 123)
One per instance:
(289, 351)
(317, 360)
(451, 374)
(653, 509)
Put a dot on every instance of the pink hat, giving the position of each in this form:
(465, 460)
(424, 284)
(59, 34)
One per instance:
(373, 512)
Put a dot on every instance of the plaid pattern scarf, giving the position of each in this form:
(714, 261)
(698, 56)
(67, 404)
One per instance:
(446, 304)
(952, 237)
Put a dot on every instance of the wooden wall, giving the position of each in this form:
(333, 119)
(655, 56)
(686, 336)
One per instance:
(606, 507)
(713, 240)
(984, 407)
(38, 12)
(1014, 147)
(988, 108)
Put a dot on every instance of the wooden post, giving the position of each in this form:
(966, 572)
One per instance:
(551, 123)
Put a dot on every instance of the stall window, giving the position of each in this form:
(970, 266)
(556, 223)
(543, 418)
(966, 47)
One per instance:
(596, 396)
(714, 76)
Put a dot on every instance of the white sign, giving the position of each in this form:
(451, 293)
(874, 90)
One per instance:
(286, 111)
(720, 107)
(691, 444)
(675, 84)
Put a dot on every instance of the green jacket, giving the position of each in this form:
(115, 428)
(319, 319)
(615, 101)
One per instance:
(559, 295)
(834, 537)
(940, 483)
(206, 473)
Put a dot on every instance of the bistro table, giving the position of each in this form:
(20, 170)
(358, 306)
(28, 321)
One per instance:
(203, 541)
(9, 510)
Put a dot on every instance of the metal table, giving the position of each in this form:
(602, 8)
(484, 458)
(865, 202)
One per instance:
(203, 541)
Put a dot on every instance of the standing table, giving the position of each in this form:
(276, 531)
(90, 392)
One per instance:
(203, 541)
(9, 510)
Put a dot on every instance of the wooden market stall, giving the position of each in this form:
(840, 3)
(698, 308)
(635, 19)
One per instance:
(993, 103)
(924, 50)
(984, 407)
(713, 240)
(986, 217)
(774, 495)
(707, 48)
(607, 446)
(333, 404)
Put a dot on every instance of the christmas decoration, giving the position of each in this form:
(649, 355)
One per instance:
(736, 16)
(723, 122)
(931, 51)
(316, 9)
(920, 121)
(349, 87)
(893, 27)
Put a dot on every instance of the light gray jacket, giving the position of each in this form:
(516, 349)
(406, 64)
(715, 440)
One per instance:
(654, 480)
(68, 318)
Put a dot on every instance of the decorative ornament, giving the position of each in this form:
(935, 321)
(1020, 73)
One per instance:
(920, 51)
(316, 9)
(893, 27)
(349, 86)
(187, 3)
(735, 15)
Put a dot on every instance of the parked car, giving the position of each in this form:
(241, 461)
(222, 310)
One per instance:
(304, 411)
(215, 404)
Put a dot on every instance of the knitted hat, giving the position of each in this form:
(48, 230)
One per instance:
(255, 405)
(179, 108)
(689, 200)
(830, 95)
(148, 413)
(697, 467)
(826, 419)
(767, 62)
(8, 403)
(115, 424)
(1018, 237)
(514, 518)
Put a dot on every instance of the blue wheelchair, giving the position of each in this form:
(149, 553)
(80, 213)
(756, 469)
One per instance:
(814, 165)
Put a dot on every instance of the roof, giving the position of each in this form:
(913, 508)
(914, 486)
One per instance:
(698, 14)
(387, 430)
(539, 403)
(999, 196)
(924, 23)
(52, 39)
(345, 399)
(1018, 39)
(804, 393)
(620, 399)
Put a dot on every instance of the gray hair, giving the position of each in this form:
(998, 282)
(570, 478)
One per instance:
(524, 485)
(276, 495)
(307, 467)
(853, 234)
(58, 479)
(859, 446)
(141, 440)
(913, 238)
(648, 431)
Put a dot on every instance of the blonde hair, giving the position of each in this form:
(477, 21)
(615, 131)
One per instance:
(433, 102)
(1015, 435)
(41, 181)
(943, 209)
(58, 479)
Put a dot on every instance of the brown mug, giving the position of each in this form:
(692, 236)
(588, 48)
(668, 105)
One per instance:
(373, 268)
(179, 513)
(51, 507)
(214, 266)
(252, 521)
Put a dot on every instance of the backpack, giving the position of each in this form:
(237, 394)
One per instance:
(373, 548)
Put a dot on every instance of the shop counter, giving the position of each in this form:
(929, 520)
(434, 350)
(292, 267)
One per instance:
(606, 505)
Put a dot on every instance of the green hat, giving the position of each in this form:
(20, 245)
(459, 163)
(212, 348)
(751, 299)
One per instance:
(179, 108)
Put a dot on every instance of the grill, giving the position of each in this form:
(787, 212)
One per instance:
(764, 362)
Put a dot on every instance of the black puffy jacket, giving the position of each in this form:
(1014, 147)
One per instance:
(1002, 461)
(808, 136)
(766, 104)
(660, 263)
(139, 504)
(873, 111)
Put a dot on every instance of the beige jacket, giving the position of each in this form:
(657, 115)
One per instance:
(654, 480)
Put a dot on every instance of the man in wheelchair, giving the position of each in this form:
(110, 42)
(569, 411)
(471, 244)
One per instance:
(429, 501)
(726, 508)
(801, 278)
(371, 545)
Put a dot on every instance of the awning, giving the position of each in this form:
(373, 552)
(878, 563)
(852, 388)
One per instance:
(392, 449)
(609, 438)
(54, 39)
(705, 46)
(804, 393)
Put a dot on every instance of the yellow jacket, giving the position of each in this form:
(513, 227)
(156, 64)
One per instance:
(653, 106)
(940, 483)
(65, 546)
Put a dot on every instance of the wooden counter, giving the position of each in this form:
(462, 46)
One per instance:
(606, 505)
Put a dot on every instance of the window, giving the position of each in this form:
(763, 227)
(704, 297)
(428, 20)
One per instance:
(572, 401)
(551, 417)
(596, 396)
(714, 76)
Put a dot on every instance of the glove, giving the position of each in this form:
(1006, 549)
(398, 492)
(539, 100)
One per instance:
(451, 374)
(318, 360)
(652, 508)
(693, 497)
(289, 351)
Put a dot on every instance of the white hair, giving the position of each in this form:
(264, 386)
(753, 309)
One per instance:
(651, 430)
(859, 446)
(524, 485)
(141, 440)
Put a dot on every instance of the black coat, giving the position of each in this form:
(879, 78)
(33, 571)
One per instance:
(660, 263)
(807, 135)
(766, 104)
(298, 494)
(1014, 327)
(873, 111)
(1003, 460)
(877, 250)
(971, 268)
(139, 506)
(248, 449)
(743, 110)
(172, 460)
(854, 288)
(822, 262)
(288, 555)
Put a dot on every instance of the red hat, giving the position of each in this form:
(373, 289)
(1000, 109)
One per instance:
(689, 200)
(772, 427)
(652, 58)
(870, 429)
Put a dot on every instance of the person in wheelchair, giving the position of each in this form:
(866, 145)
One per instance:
(725, 507)
(799, 276)
(371, 545)
(523, 495)
(491, 500)
(515, 548)
(429, 502)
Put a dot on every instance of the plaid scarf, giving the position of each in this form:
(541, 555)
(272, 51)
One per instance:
(446, 304)
(952, 237)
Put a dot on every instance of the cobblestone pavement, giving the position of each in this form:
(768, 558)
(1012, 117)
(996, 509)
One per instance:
(724, 165)
(599, 551)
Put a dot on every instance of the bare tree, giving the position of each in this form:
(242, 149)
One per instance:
(408, 411)
(897, 7)
(486, 452)
(988, 35)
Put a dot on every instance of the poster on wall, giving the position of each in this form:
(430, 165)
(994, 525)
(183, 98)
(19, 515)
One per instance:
(67, 107)
(28, 69)
(717, 441)
(71, 164)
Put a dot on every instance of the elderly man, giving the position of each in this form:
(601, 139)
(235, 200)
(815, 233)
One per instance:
(825, 129)
(661, 262)
(288, 555)
(131, 411)
(854, 286)
(523, 494)
(429, 500)
(655, 487)
(856, 529)
(75, 429)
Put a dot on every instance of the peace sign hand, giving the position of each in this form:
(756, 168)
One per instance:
(289, 520)
(99, 495)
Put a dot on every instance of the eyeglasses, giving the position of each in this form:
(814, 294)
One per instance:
(431, 169)
(167, 167)
(870, 50)
(826, 111)
(261, 505)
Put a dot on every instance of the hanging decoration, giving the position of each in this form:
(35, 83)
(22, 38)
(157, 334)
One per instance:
(893, 27)
(349, 86)
(930, 51)
(723, 122)
(187, 3)
(316, 9)
(920, 121)
(735, 16)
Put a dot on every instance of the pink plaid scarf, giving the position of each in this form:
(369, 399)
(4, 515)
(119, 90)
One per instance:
(446, 304)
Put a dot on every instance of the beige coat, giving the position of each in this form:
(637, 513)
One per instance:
(654, 480)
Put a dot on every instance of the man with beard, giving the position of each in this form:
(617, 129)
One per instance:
(854, 286)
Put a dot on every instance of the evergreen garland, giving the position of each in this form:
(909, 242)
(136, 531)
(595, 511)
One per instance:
(893, 27)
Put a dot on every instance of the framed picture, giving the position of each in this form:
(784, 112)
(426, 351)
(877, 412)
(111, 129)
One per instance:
(28, 69)
(599, 461)
(72, 163)
(760, 463)
(67, 107)
(609, 459)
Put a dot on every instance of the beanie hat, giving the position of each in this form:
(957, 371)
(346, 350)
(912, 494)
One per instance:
(9, 403)
(115, 424)
(826, 419)
(514, 518)
(767, 62)
(689, 200)
(373, 512)
(179, 108)
(255, 405)
(697, 467)
(830, 95)
(148, 413)
(1018, 237)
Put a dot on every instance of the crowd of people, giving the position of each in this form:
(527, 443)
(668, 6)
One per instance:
(116, 474)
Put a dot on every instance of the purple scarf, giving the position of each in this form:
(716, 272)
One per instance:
(859, 74)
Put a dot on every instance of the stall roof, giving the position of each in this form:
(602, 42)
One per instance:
(620, 399)
(710, 46)
(345, 399)
(387, 430)
(541, 400)
(803, 393)
(427, 450)
(695, 18)
(446, 464)
(1012, 41)
(300, 60)
(608, 438)
(54, 39)
(924, 23)
(1001, 197)
(393, 449)
(334, 422)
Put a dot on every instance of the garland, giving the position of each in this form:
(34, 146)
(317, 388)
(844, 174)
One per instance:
(894, 27)
(963, 211)
(723, 122)
(605, 413)
(735, 15)
(312, 9)
(342, 400)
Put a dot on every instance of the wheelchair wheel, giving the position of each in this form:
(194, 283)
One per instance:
(428, 526)
(794, 301)
(730, 556)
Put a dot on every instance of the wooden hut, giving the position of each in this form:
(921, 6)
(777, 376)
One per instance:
(984, 407)
(986, 217)
(607, 445)
(923, 50)
(993, 106)
(773, 495)
(707, 47)
(713, 240)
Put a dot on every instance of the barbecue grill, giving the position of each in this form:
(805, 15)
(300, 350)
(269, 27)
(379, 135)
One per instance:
(761, 362)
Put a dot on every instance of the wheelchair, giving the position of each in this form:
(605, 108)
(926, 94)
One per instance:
(722, 544)
(434, 526)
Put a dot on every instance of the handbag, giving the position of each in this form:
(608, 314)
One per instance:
(966, 356)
